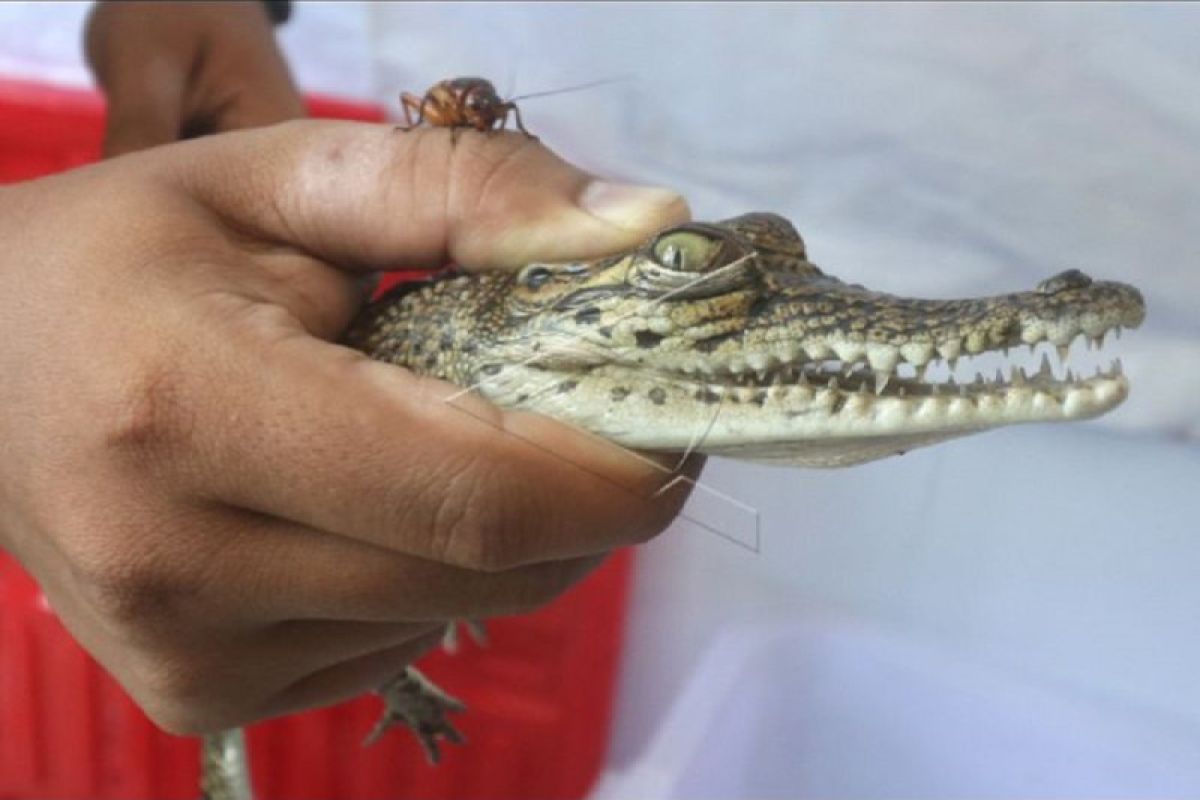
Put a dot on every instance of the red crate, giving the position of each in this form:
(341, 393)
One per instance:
(540, 694)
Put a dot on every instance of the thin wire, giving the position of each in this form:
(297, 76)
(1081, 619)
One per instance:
(576, 88)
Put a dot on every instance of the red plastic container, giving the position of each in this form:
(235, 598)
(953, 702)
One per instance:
(540, 695)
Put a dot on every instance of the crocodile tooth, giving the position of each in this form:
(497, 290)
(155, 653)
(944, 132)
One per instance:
(757, 361)
(1045, 371)
(1093, 324)
(950, 349)
(881, 381)
(882, 357)
(848, 351)
(1061, 333)
(789, 352)
(1018, 376)
(917, 353)
(817, 351)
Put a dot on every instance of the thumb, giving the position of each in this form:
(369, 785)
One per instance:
(372, 197)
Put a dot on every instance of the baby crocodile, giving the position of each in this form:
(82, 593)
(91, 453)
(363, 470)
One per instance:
(724, 339)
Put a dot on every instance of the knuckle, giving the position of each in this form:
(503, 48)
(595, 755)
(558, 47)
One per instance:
(130, 588)
(464, 536)
(490, 163)
(483, 522)
(187, 691)
(147, 410)
(128, 596)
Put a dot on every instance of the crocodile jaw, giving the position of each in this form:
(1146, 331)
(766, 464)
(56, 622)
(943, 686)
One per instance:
(797, 424)
(831, 397)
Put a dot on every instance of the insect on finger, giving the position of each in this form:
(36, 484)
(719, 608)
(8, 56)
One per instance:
(460, 103)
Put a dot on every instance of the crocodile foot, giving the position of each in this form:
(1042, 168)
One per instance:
(412, 700)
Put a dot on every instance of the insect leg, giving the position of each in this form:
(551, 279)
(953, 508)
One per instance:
(517, 113)
(500, 121)
(408, 104)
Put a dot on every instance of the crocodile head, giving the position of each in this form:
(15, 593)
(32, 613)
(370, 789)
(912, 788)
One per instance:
(723, 338)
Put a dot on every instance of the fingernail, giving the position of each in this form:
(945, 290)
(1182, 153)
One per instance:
(629, 205)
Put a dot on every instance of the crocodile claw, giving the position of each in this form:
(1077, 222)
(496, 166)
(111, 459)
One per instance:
(412, 700)
(475, 629)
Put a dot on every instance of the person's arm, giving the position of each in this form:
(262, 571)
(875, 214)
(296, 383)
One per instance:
(174, 70)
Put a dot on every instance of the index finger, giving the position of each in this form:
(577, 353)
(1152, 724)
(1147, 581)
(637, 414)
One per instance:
(323, 436)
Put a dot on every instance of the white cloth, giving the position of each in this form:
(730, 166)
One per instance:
(939, 150)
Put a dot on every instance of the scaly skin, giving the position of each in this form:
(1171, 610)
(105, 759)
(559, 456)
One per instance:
(724, 339)
(743, 348)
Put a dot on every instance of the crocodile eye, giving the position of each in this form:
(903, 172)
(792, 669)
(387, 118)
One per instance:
(686, 251)
(535, 276)
(693, 261)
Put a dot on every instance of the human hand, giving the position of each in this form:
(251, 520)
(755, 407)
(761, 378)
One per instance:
(177, 70)
(236, 515)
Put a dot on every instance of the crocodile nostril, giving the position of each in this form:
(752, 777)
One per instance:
(1071, 279)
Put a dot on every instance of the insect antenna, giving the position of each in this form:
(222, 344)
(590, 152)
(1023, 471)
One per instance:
(576, 88)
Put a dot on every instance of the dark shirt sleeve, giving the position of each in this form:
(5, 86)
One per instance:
(278, 10)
